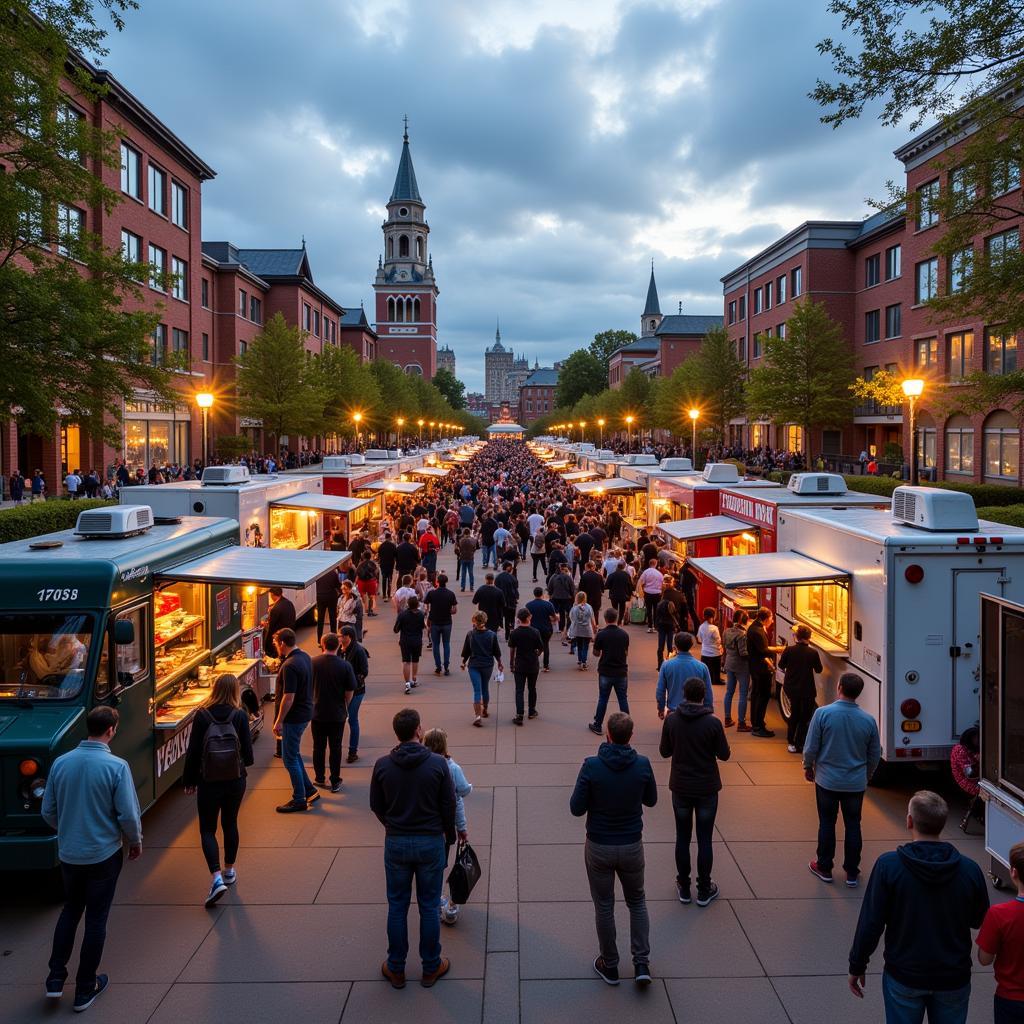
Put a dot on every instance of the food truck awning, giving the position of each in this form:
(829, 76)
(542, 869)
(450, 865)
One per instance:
(313, 502)
(580, 474)
(559, 464)
(400, 486)
(263, 567)
(771, 569)
(615, 483)
(704, 528)
(429, 471)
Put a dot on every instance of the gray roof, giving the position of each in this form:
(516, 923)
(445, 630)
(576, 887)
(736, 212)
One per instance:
(640, 345)
(405, 181)
(546, 377)
(265, 263)
(652, 305)
(687, 323)
(354, 317)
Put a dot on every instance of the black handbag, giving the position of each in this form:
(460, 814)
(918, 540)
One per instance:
(465, 873)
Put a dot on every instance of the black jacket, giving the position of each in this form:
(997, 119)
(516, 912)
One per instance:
(328, 586)
(927, 898)
(509, 586)
(280, 616)
(412, 793)
(592, 584)
(612, 789)
(407, 557)
(386, 553)
(239, 718)
(359, 659)
(800, 662)
(619, 586)
(695, 740)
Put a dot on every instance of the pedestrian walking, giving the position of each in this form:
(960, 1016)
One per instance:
(582, 628)
(525, 647)
(407, 556)
(592, 584)
(611, 645)
(666, 621)
(355, 654)
(651, 584)
(760, 655)
(480, 652)
(368, 582)
(328, 592)
(1001, 941)
(737, 670)
(695, 741)
(675, 671)
(350, 609)
(711, 650)
(400, 598)
(619, 585)
(507, 582)
(612, 789)
(334, 684)
(387, 552)
(539, 552)
(543, 618)
(491, 601)
(468, 545)
(441, 605)
(925, 897)
(799, 662)
(562, 593)
(295, 683)
(429, 545)
(841, 753)
(413, 797)
(90, 800)
(409, 625)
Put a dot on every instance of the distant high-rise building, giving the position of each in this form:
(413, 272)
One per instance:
(446, 359)
(497, 366)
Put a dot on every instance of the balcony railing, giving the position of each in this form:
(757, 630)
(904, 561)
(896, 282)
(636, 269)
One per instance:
(873, 408)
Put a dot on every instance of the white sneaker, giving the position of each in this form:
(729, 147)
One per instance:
(408, 688)
(791, 748)
(230, 876)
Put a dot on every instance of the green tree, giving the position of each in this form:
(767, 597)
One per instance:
(606, 342)
(581, 374)
(279, 384)
(396, 397)
(67, 344)
(719, 380)
(348, 387)
(884, 387)
(451, 387)
(806, 375)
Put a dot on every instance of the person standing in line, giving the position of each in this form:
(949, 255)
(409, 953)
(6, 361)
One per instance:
(467, 547)
(799, 662)
(480, 652)
(210, 773)
(926, 897)
(90, 801)
(295, 683)
(355, 654)
(1001, 941)
(592, 584)
(280, 615)
(525, 648)
(737, 669)
(651, 583)
(508, 583)
(711, 649)
(441, 605)
(409, 625)
(334, 683)
(674, 672)
(328, 591)
(413, 796)
(760, 654)
(841, 753)
(695, 741)
(611, 645)
(350, 609)
(666, 620)
(582, 627)
(387, 551)
(612, 789)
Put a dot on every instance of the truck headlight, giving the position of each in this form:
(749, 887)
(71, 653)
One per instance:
(37, 789)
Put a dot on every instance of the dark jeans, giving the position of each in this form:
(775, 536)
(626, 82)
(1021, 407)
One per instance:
(291, 755)
(422, 858)
(622, 610)
(541, 560)
(545, 639)
(714, 664)
(582, 644)
(353, 721)
(221, 799)
(466, 573)
(760, 696)
(441, 635)
(562, 605)
(1007, 1011)
(906, 1005)
(650, 603)
(526, 681)
(88, 889)
(510, 620)
(666, 643)
(386, 573)
(605, 685)
(686, 809)
(487, 552)
(326, 610)
(829, 803)
(327, 735)
(802, 708)
(604, 864)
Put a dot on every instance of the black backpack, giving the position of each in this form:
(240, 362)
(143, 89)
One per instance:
(222, 752)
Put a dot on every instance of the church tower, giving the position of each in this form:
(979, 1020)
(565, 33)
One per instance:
(650, 319)
(405, 289)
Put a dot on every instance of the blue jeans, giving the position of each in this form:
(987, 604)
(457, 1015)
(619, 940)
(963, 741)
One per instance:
(422, 858)
(439, 635)
(905, 1005)
(481, 680)
(582, 644)
(291, 755)
(466, 570)
(733, 678)
(605, 685)
(487, 551)
(353, 722)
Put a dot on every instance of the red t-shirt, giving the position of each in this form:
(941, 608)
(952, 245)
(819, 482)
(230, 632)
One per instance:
(1002, 934)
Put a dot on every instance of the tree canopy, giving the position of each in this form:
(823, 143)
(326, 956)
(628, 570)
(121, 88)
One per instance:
(581, 374)
(451, 387)
(606, 342)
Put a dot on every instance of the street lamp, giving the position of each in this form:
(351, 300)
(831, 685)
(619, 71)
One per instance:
(420, 435)
(432, 430)
(694, 415)
(913, 388)
(205, 401)
(357, 418)
(600, 424)
(583, 423)
(401, 423)
(629, 435)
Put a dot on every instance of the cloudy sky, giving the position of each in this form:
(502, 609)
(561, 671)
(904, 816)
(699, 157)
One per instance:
(560, 145)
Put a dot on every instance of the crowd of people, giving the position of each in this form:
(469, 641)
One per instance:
(593, 588)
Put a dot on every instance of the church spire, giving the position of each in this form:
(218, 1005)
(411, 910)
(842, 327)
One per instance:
(497, 331)
(652, 308)
(405, 188)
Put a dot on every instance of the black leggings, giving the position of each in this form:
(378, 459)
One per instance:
(223, 798)
(542, 560)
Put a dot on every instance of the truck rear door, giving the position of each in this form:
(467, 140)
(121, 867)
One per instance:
(965, 641)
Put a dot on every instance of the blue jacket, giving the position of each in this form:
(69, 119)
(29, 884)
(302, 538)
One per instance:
(673, 673)
(842, 746)
(612, 790)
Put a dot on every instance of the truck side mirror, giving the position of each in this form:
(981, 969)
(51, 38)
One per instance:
(124, 632)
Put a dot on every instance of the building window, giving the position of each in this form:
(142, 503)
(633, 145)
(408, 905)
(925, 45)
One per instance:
(743, 307)
(179, 287)
(179, 341)
(780, 290)
(926, 441)
(131, 171)
(69, 120)
(157, 190)
(732, 312)
(872, 326)
(927, 205)
(307, 316)
(757, 345)
(797, 278)
(131, 247)
(69, 227)
(998, 245)
(243, 302)
(927, 350)
(316, 323)
(758, 300)
(960, 269)
(204, 286)
(1002, 446)
(780, 331)
(1000, 352)
(242, 347)
(794, 438)
(926, 285)
(255, 309)
(961, 354)
(179, 205)
(158, 267)
(159, 349)
(893, 262)
(206, 347)
(1005, 177)
(872, 270)
(419, 249)
(741, 349)
(893, 320)
(959, 445)
(768, 294)
(403, 246)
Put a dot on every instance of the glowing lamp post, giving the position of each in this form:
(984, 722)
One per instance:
(600, 427)
(401, 423)
(583, 423)
(913, 388)
(629, 433)
(205, 402)
(420, 423)
(694, 415)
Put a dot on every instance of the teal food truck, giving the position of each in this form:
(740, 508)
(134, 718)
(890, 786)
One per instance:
(126, 611)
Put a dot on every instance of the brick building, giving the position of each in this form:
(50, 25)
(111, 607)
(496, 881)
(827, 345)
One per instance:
(537, 395)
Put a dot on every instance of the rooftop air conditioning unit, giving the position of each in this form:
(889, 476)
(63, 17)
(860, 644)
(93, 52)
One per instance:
(588, 446)
(605, 455)
(116, 521)
(357, 460)
(641, 460)
(930, 508)
(721, 473)
(376, 454)
(394, 453)
(817, 483)
(225, 476)
(676, 466)
(336, 463)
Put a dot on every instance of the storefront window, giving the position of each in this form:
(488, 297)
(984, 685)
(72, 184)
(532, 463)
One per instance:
(794, 438)
(825, 607)
(255, 605)
(758, 435)
(159, 443)
(155, 441)
(70, 448)
(292, 528)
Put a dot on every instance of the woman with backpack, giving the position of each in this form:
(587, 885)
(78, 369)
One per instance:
(219, 751)
(582, 627)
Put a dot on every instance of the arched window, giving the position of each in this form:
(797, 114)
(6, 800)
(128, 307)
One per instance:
(925, 440)
(403, 246)
(391, 310)
(416, 310)
(419, 248)
(414, 370)
(959, 445)
(654, 324)
(1002, 446)
(391, 248)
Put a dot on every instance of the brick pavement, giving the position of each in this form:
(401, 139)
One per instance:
(301, 936)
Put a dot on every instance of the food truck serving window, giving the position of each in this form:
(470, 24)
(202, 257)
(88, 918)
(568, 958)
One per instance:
(292, 528)
(44, 654)
(825, 607)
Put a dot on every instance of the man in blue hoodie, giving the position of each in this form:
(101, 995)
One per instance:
(612, 790)
(926, 897)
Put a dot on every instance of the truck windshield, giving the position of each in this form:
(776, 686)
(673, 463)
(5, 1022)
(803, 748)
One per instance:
(43, 656)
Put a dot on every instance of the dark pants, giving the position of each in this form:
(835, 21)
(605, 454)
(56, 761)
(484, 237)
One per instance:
(526, 681)
(563, 606)
(542, 560)
(213, 800)
(326, 610)
(604, 864)
(422, 858)
(327, 734)
(353, 721)
(703, 809)
(666, 642)
(801, 710)
(714, 664)
(441, 635)
(760, 695)
(605, 685)
(1007, 1011)
(622, 610)
(88, 889)
(906, 1005)
(545, 639)
(650, 603)
(386, 574)
(582, 645)
(829, 803)
(510, 620)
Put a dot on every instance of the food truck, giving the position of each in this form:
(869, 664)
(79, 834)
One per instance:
(349, 475)
(630, 498)
(892, 594)
(130, 612)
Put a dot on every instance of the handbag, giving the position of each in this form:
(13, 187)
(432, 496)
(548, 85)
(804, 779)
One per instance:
(637, 613)
(465, 873)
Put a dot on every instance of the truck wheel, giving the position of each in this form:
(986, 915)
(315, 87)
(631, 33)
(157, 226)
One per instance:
(997, 882)
(785, 707)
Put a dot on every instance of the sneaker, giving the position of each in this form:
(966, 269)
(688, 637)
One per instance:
(825, 876)
(762, 734)
(83, 1002)
(408, 688)
(429, 980)
(230, 876)
(415, 683)
(728, 723)
(704, 898)
(352, 757)
(683, 892)
(217, 889)
(291, 807)
(336, 786)
(320, 782)
(852, 881)
(642, 975)
(595, 728)
(518, 720)
(54, 988)
(743, 727)
(437, 671)
(446, 672)
(397, 978)
(312, 798)
(478, 722)
(533, 714)
(791, 748)
(609, 975)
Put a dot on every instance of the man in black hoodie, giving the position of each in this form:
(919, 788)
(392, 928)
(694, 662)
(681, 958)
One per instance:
(612, 790)
(926, 897)
(413, 796)
(695, 740)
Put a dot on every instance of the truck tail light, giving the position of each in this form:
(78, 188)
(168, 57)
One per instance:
(914, 573)
(910, 708)
(28, 767)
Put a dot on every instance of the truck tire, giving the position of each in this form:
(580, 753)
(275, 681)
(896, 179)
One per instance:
(785, 708)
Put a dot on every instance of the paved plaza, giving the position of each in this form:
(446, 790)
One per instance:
(301, 937)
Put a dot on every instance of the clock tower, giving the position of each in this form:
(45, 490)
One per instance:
(405, 289)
